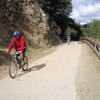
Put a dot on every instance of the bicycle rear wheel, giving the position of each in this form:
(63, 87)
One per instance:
(13, 69)
(25, 63)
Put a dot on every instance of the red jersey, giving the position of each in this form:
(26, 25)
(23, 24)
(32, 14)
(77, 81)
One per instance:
(18, 43)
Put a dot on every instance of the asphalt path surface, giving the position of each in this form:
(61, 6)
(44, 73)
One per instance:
(69, 73)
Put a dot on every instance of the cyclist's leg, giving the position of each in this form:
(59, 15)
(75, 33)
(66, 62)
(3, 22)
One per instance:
(17, 55)
(18, 58)
(25, 61)
(24, 52)
(68, 41)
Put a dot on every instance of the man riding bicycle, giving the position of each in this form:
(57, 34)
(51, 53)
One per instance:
(19, 42)
(19, 57)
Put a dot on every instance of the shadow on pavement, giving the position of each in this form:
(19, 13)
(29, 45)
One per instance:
(34, 68)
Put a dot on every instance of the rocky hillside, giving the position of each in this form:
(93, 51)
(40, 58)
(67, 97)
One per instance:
(28, 17)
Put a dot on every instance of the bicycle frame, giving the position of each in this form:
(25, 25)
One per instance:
(17, 59)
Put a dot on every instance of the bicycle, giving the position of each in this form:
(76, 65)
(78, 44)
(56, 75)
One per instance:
(18, 61)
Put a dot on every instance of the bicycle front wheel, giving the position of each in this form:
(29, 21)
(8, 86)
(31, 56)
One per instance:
(13, 69)
(25, 63)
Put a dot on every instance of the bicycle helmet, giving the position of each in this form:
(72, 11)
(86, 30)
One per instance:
(16, 33)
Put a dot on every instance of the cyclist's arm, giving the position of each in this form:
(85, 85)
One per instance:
(22, 43)
(11, 45)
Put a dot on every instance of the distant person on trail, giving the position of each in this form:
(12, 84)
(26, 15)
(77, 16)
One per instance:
(68, 38)
(19, 42)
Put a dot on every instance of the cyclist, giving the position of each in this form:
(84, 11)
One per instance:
(19, 42)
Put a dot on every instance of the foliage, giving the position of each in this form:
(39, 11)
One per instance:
(73, 32)
(59, 10)
(70, 31)
(55, 8)
(9, 7)
(92, 29)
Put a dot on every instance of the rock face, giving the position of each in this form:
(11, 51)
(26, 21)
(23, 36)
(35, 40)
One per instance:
(28, 16)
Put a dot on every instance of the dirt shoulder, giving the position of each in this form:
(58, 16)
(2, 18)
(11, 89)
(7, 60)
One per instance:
(88, 75)
(50, 78)
(72, 72)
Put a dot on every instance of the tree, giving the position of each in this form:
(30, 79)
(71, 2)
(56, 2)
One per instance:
(57, 7)
(92, 29)
(59, 10)
(72, 32)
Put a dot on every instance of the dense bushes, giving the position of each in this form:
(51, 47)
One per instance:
(92, 29)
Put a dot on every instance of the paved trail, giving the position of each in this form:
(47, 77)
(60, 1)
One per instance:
(53, 77)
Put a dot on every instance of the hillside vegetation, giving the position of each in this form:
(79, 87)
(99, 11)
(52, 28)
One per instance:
(42, 22)
(28, 18)
(92, 29)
